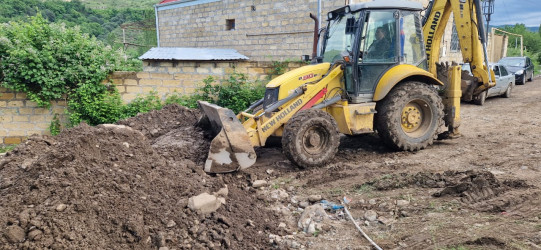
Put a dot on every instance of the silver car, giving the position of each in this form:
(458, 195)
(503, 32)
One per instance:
(505, 81)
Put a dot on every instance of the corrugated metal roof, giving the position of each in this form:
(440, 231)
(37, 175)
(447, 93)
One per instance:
(167, 1)
(192, 54)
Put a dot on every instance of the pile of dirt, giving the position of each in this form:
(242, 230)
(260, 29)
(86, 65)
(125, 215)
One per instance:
(113, 186)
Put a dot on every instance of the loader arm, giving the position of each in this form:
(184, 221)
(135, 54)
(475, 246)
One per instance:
(232, 148)
(469, 25)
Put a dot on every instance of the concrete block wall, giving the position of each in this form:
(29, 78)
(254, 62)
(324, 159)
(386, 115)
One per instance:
(265, 30)
(20, 117)
(181, 77)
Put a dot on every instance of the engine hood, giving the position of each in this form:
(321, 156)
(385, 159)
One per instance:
(513, 69)
(299, 76)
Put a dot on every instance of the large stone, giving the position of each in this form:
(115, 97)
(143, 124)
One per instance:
(15, 234)
(204, 203)
(314, 198)
(279, 194)
(314, 217)
(370, 215)
(402, 203)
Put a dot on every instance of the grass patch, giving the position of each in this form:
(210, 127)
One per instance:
(4, 149)
(364, 189)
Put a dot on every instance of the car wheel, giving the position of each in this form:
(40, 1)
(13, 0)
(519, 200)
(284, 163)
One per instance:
(507, 93)
(480, 99)
(531, 77)
(523, 81)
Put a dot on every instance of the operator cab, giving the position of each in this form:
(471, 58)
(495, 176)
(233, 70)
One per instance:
(373, 37)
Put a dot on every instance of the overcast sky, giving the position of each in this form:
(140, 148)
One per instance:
(517, 11)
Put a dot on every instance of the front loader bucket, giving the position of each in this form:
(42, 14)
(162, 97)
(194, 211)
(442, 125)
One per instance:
(231, 149)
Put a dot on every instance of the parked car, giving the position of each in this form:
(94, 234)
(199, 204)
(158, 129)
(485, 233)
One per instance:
(505, 81)
(522, 67)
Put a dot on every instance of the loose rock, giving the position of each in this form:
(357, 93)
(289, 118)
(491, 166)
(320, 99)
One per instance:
(313, 218)
(14, 234)
(314, 198)
(402, 203)
(279, 194)
(35, 235)
(259, 183)
(61, 207)
(204, 203)
(370, 215)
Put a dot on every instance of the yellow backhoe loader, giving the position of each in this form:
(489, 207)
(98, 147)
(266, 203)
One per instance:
(376, 72)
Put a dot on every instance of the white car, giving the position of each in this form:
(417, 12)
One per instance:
(505, 81)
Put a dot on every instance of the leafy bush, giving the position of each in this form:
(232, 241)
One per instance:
(48, 61)
(235, 92)
(141, 104)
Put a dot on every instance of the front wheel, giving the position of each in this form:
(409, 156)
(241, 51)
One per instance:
(481, 98)
(507, 93)
(409, 117)
(310, 138)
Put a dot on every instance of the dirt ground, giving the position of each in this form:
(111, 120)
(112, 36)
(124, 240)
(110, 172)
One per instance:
(116, 188)
(480, 191)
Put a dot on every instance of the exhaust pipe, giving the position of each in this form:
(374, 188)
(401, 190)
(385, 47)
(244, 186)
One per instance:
(316, 35)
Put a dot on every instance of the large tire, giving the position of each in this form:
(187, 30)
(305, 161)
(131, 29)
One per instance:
(310, 138)
(481, 98)
(409, 117)
(507, 93)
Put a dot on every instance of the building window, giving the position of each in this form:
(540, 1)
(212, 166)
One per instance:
(230, 24)
(455, 44)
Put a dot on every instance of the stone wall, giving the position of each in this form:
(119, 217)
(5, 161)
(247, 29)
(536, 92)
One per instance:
(20, 117)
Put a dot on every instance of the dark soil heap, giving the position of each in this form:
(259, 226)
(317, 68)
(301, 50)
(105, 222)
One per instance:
(114, 187)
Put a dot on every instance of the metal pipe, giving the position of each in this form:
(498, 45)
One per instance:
(157, 25)
(319, 13)
(255, 104)
(481, 29)
(327, 103)
(427, 12)
(316, 36)
(297, 92)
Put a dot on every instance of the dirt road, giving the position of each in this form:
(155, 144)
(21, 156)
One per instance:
(477, 191)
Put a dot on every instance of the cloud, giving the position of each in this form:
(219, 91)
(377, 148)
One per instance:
(512, 12)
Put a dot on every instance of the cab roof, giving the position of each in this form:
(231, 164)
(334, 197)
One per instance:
(386, 4)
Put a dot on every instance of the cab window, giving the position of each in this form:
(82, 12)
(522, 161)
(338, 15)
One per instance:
(379, 37)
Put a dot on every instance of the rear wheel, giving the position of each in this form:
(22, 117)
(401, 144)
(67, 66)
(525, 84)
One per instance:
(507, 93)
(480, 99)
(310, 138)
(408, 118)
(531, 77)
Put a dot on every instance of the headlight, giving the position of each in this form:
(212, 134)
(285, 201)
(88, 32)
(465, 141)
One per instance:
(271, 97)
(520, 72)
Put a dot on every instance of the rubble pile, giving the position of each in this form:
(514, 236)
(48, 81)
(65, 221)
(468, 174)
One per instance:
(138, 184)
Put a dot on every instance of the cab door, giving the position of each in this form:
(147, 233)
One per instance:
(378, 49)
